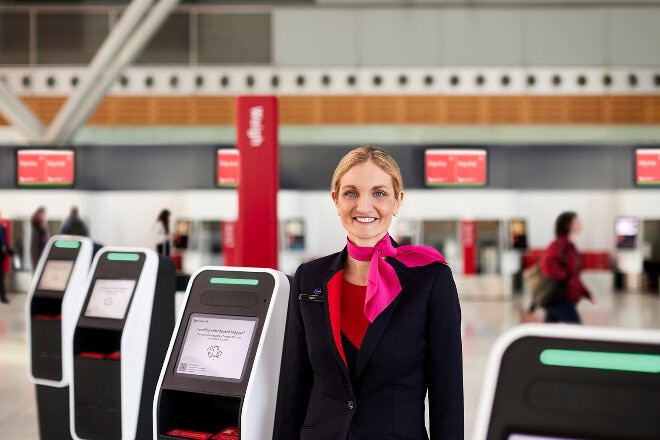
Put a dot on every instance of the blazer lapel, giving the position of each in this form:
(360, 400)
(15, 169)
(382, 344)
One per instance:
(377, 328)
(332, 287)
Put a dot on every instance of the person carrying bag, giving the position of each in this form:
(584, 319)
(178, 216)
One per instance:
(544, 290)
(555, 283)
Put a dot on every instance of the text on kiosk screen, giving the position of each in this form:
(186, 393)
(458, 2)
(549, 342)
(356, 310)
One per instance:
(110, 299)
(216, 346)
(55, 275)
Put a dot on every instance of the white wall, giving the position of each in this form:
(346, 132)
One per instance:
(126, 218)
(121, 218)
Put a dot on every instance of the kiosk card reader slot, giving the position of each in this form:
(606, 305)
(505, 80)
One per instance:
(569, 382)
(221, 375)
(54, 302)
(120, 342)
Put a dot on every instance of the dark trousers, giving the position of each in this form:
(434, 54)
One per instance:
(562, 311)
(163, 248)
(3, 292)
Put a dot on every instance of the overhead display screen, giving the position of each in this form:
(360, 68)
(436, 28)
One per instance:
(55, 275)
(647, 167)
(45, 168)
(229, 164)
(459, 167)
(216, 346)
(110, 299)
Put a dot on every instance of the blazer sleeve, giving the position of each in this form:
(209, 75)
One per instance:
(444, 364)
(297, 375)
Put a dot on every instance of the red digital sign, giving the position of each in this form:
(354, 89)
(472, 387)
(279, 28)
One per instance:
(456, 167)
(229, 166)
(648, 167)
(45, 168)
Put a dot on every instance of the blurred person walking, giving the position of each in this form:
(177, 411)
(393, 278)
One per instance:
(161, 231)
(74, 225)
(563, 264)
(5, 251)
(39, 235)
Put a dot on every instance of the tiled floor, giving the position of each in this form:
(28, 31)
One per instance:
(483, 321)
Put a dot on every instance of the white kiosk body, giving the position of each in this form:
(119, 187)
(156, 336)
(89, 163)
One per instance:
(222, 369)
(53, 305)
(119, 343)
(571, 382)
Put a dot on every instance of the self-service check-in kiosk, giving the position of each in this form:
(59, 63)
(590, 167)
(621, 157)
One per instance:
(54, 302)
(120, 342)
(568, 382)
(220, 379)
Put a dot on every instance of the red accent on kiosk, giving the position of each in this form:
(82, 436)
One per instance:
(230, 433)
(184, 433)
(227, 434)
(256, 139)
(45, 168)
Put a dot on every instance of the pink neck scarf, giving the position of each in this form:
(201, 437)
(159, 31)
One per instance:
(382, 282)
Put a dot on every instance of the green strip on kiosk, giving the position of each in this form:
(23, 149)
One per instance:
(569, 382)
(119, 344)
(221, 375)
(54, 302)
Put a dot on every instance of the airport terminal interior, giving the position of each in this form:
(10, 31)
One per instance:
(168, 162)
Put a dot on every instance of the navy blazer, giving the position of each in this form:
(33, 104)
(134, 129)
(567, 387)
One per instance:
(413, 346)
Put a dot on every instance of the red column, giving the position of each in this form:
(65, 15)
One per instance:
(256, 139)
(468, 241)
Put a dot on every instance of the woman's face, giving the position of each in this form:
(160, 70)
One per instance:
(366, 203)
(576, 226)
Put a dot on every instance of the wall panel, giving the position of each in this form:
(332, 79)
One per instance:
(396, 37)
(315, 38)
(360, 109)
(565, 37)
(635, 36)
(482, 37)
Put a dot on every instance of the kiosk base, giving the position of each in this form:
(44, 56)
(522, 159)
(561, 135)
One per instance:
(53, 410)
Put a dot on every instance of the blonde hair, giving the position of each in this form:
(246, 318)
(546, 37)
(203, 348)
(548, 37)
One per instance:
(366, 154)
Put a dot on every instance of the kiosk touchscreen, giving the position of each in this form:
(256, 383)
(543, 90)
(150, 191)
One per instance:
(569, 382)
(54, 302)
(120, 341)
(221, 375)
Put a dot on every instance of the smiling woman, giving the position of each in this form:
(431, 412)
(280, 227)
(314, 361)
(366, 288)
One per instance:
(366, 196)
(394, 317)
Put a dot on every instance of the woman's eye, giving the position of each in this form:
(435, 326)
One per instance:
(380, 194)
(350, 194)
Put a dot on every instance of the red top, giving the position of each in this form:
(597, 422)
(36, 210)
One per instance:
(562, 263)
(353, 322)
